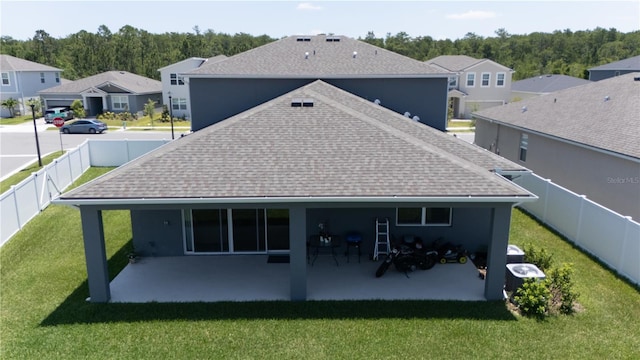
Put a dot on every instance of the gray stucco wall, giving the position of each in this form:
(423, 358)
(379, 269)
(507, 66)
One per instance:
(606, 179)
(213, 100)
(160, 233)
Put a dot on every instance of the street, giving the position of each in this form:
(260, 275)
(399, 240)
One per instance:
(18, 142)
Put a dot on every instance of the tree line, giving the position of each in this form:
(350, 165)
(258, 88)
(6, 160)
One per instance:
(135, 50)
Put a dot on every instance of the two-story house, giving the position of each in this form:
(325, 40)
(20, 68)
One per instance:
(22, 79)
(615, 68)
(175, 86)
(476, 83)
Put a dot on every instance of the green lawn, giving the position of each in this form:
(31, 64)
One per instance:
(16, 120)
(45, 316)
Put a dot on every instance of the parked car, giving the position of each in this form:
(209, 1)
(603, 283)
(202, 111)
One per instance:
(84, 126)
(56, 112)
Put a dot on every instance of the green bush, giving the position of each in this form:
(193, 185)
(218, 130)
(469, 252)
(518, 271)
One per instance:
(532, 298)
(563, 296)
(538, 256)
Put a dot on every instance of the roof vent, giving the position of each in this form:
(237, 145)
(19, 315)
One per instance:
(301, 102)
(607, 98)
(333, 39)
(355, 53)
(416, 118)
(637, 78)
(407, 114)
(377, 101)
(303, 38)
(524, 108)
(306, 55)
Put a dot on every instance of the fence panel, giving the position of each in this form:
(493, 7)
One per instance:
(538, 186)
(602, 233)
(9, 221)
(563, 210)
(629, 264)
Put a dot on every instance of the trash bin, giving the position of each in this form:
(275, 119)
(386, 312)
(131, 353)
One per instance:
(514, 254)
(517, 273)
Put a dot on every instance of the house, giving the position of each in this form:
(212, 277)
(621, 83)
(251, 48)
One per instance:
(261, 181)
(22, 79)
(476, 84)
(585, 138)
(407, 86)
(175, 86)
(543, 84)
(616, 68)
(115, 91)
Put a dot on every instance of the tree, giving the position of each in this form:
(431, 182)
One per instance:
(10, 104)
(37, 105)
(78, 108)
(150, 109)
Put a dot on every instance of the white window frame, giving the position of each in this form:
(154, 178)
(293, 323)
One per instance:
(425, 217)
(524, 145)
(498, 80)
(57, 77)
(471, 76)
(42, 78)
(453, 82)
(176, 79)
(6, 78)
(179, 103)
(118, 100)
(482, 82)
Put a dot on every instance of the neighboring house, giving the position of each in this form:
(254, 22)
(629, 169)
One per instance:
(616, 68)
(225, 88)
(543, 84)
(22, 79)
(174, 84)
(586, 138)
(115, 91)
(262, 180)
(476, 84)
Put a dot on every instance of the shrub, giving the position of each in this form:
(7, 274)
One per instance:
(164, 117)
(538, 256)
(561, 286)
(533, 297)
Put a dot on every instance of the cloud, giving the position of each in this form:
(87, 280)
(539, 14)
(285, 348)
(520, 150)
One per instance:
(308, 7)
(473, 15)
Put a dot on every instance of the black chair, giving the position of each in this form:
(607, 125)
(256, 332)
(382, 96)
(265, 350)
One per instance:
(353, 239)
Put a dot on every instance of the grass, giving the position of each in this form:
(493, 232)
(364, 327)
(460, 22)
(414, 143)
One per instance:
(27, 171)
(16, 120)
(44, 313)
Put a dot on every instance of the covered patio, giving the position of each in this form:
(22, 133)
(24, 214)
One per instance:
(252, 278)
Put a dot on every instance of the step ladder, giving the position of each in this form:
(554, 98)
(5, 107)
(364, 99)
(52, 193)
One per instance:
(382, 246)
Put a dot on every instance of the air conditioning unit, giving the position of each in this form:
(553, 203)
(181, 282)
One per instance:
(517, 273)
(514, 254)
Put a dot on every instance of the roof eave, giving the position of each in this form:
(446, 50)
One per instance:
(299, 200)
(317, 76)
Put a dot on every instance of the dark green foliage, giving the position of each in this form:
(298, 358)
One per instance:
(165, 116)
(561, 286)
(533, 298)
(540, 257)
(135, 50)
(78, 109)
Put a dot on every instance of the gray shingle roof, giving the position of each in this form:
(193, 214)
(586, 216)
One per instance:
(581, 114)
(11, 63)
(133, 83)
(632, 64)
(342, 146)
(547, 83)
(287, 58)
(454, 62)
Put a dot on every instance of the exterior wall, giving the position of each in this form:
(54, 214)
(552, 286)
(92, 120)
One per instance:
(611, 181)
(157, 232)
(478, 97)
(597, 75)
(160, 232)
(24, 85)
(214, 100)
(178, 91)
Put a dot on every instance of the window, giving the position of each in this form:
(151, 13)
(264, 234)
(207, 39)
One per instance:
(471, 79)
(42, 78)
(486, 78)
(5, 79)
(58, 77)
(179, 103)
(524, 143)
(453, 82)
(120, 102)
(424, 216)
(500, 79)
(177, 80)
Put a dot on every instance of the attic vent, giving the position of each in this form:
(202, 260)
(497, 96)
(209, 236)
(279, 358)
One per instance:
(301, 102)
(637, 78)
(304, 38)
(333, 39)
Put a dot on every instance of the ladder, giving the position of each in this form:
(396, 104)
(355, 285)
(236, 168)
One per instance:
(382, 246)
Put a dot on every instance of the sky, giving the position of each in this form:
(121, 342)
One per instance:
(437, 19)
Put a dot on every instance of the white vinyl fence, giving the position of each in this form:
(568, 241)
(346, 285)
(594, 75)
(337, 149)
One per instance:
(609, 236)
(27, 199)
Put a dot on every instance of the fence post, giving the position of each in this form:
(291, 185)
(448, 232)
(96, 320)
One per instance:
(583, 199)
(15, 205)
(546, 200)
(624, 247)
